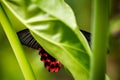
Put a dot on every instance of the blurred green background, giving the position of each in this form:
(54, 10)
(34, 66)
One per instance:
(10, 70)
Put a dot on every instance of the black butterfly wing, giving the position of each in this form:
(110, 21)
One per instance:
(87, 35)
(50, 63)
(27, 39)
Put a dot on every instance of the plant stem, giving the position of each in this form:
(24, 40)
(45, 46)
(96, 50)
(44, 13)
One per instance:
(99, 39)
(16, 46)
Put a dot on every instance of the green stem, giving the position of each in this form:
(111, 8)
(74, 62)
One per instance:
(99, 39)
(16, 46)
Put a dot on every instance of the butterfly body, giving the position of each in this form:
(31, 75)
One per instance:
(50, 63)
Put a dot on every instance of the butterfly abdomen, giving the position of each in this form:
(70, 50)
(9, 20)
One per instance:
(50, 63)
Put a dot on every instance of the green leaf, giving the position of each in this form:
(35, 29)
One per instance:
(53, 25)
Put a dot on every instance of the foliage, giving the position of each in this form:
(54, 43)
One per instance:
(53, 25)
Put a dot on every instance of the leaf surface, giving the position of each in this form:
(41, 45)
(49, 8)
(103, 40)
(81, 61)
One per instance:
(53, 25)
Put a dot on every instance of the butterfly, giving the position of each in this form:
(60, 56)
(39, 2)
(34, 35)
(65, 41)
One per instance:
(50, 63)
